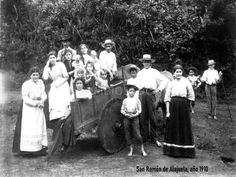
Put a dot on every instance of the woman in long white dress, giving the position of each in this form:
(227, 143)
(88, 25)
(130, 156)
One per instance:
(30, 133)
(59, 94)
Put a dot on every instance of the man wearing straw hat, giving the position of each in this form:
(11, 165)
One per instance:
(65, 39)
(211, 77)
(152, 83)
(107, 57)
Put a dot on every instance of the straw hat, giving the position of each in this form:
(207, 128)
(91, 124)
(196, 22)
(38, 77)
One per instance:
(194, 69)
(147, 57)
(128, 86)
(210, 62)
(132, 66)
(108, 41)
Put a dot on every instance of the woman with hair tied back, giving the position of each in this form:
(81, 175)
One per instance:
(59, 94)
(30, 133)
(178, 140)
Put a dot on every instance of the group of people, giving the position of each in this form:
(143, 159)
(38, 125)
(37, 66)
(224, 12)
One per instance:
(148, 84)
(74, 76)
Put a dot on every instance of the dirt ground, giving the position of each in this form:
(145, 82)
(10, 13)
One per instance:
(87, 158)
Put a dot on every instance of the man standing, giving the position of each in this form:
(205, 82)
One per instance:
(211, 77)
(66, 45)
(107, 57)
(152, 82)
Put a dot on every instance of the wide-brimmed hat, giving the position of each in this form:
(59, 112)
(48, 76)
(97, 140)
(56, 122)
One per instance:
(147, 57)
(128, 86)
(194, 69)
(132, 66)
(210, 62)
(108, 41)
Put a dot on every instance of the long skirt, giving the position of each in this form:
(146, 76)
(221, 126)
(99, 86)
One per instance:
(30, 132)
(178, 136)
(66, 128)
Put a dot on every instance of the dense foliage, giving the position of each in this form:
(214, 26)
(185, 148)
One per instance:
(193, 30)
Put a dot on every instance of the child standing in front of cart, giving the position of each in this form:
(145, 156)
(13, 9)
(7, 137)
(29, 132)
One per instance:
(131, 109)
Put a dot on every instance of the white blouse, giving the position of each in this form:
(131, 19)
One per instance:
(57, 71)
(84, 93)
(194, 80)
(179, 88)
(33, 92)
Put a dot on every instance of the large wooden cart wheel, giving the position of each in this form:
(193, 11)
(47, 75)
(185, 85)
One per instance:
(110, 127)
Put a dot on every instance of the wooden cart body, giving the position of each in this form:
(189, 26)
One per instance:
(86, 113)
(102, 112)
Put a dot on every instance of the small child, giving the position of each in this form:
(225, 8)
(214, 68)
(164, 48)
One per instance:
(133, 70)
(95, 60)
(80, 91)
(103, 81)
(77, 62)
(90, 76)
(195, 81)
(131, 109)
(79, 73)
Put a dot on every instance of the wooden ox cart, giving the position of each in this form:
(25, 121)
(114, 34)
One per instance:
(103, 112)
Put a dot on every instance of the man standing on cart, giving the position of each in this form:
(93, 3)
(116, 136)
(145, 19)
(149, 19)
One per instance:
(152, 83)
(65, 39)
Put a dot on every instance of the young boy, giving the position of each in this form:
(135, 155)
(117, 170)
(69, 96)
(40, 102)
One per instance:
(211, 77)
(195, 81)
(107, 58)
(131, 109)
(133, 70)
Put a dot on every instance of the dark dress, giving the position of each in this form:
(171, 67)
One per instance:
(17, 134)
(91, 83)
(178, 136)
(69, 68)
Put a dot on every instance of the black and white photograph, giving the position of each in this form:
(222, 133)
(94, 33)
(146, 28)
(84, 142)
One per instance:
(113, 88)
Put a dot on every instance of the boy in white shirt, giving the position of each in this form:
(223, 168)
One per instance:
(133, 71)
(107, 57)
(211, 77)
(131, 109)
